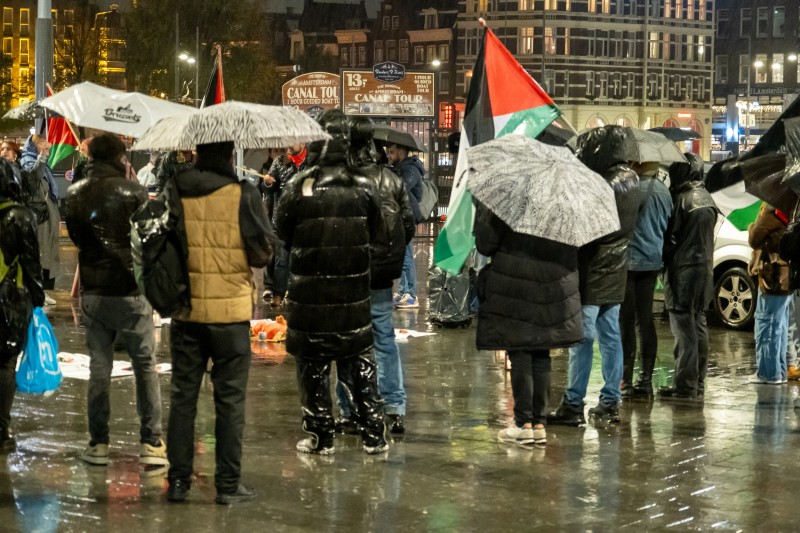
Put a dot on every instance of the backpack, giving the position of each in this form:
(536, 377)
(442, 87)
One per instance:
(430, 196)
(160, 252)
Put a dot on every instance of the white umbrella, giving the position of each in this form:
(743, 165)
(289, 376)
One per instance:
(247, 125)
(94, 106)
(542, 190)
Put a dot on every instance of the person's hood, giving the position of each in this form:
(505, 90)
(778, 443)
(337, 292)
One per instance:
(602, 148)
(681, 174)
(414, 161)
(97, 168)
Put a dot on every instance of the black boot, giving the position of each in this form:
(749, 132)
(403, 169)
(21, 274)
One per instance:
(643, 385)
(567, 415)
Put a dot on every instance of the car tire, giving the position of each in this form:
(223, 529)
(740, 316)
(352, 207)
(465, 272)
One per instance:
(735, 298)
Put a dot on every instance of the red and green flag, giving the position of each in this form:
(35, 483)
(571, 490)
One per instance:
(503, 98)
(63, 142)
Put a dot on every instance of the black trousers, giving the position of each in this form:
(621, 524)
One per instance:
(636, 316)
(691, 350)
(530, 384)
(228, 346)
(359, 380)
(8, 386)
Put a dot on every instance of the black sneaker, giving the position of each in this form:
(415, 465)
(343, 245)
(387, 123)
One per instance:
(607, 412)
(347, 426)
(643, 387)
(242, 494)
(672, 393)
(567, 415)
(395, 423)
(178, 490)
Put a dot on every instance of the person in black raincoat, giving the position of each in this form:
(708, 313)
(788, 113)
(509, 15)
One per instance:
(20, 290)
(603, 276)
(689, 276)
(387, 253)
(327, 217)
(530, 303)
(169, 165)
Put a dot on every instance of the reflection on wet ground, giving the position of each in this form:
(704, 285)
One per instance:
(728, 465)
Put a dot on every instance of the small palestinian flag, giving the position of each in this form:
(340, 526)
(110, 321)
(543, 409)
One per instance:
(61, 138)
(215, 92)
(503, 98)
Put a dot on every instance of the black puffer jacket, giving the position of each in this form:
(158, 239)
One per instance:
(327, 218)
(98, 210)
(529, 292)
(604, 263)
(689, 242)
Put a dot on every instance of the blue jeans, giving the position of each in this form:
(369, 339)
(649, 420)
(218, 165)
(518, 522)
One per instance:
(601, 322)
(408, 279)
(772, 332)
(793, 351)
(387, 355)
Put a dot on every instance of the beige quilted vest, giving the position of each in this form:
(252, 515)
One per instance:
(220, 278)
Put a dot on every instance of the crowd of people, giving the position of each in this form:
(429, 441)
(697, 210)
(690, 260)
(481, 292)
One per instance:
(331, 222)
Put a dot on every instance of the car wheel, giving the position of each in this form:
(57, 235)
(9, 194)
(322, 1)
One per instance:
(735, 298)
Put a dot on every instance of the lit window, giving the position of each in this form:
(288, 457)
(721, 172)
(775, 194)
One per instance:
(24, 51)
(777, 68)
(8, 21)
(24, 21)
(526, 40)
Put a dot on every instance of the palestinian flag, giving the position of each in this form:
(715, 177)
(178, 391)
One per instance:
(502, 99)
(215, 92)
(61, 138)
(739, 207)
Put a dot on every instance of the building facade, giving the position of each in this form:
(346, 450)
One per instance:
(757, 70)
(642, 63)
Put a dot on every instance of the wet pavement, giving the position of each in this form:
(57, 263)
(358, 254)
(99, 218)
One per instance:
(728, 465)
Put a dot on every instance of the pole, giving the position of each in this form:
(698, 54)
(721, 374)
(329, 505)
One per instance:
(544, 37)
(747, 99)
(177, 53)
(44, 52)
(196, 66)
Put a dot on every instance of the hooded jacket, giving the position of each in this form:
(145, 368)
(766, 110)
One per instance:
(689, 243)
(98, 211)
(604, 262)
(764, 237)
(411, 170)
(529, 293)
(227, 232)
(327, 217)
(30, 162)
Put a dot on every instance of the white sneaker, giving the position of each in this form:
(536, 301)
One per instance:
(539, 435)
(396, 297)
(153, 455)
(758, 380)
(49, 300)
(407, 302)
(95, 455)
(515, 435)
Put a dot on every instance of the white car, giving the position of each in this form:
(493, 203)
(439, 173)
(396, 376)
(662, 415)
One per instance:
(735, 292)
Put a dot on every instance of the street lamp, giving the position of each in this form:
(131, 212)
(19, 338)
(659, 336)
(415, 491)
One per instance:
(436, 63)
(186, 58)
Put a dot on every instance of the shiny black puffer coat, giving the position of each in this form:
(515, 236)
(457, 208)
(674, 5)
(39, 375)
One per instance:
(604, 262)
(18, 240)
(689, 242)
(98, 211)
(529, 292)
(327, 218)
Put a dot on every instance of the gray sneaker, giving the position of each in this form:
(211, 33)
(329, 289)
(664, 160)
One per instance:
(516, 435)
(95, 455)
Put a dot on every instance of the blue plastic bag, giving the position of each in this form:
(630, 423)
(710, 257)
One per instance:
(38, 372)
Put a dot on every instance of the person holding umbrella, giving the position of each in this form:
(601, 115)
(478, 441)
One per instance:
(532, 216)
(688, 276)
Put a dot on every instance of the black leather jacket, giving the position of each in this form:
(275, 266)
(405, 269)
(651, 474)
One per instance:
(389, 247)
(98, 209)
(327, 217)
(604, 263)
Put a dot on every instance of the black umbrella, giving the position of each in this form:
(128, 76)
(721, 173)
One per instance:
(763, 178)
(387, 136)
(555, 136)
(28, 111)
(676, 134)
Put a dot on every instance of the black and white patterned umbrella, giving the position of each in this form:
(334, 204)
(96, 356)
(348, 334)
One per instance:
(247, 125)
(542, 190)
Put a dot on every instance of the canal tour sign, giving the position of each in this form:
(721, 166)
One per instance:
(312, 92)
(408, 95)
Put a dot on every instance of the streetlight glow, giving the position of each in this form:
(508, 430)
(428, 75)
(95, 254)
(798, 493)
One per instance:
(758, 64)
(436, 63)
(192, 60)
(184, 56)
(792, 57)
(776, 66)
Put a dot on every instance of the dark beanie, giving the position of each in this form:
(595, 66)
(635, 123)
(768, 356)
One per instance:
(106, 147)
